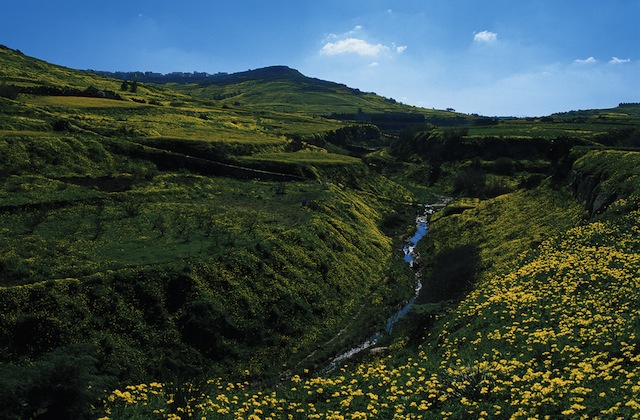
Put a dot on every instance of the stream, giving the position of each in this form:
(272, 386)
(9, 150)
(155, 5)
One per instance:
(410, 258)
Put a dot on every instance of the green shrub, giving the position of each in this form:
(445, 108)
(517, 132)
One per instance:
(9, 91)
(504, 166)
(62, 385)
(207, 327)
(471, 181)
(452, 273)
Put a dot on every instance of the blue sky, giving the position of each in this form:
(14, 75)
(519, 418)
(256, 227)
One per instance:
(492, 57)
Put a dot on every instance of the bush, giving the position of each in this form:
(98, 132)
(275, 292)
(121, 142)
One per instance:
(9, 91)
(453, 272)
(470, 181)
(531, 182)
(62, 385)
(61, 125)
(35, 334)
(496, 187)
(207, 328)
(504, 166)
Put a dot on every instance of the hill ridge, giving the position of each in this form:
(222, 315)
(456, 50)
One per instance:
(262, 74)
(268, 72)
(277, 88)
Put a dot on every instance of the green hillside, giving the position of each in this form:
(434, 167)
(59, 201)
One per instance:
(280, 89)
(206, 248)
(550, 331)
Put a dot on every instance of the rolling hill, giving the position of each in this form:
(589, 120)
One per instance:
(205, 245)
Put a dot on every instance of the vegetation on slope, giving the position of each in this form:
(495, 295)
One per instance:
(549, 330)
(218, 243)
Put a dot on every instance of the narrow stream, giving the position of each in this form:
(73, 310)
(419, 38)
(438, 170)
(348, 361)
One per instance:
(410, 257)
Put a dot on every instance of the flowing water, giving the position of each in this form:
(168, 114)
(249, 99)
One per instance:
(410, 257)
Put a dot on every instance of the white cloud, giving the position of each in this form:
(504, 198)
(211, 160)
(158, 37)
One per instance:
(616, 60)
(590, 60)
(355, 41)
(353, 46)
(351, 32)
(485, 37)
(374, 64)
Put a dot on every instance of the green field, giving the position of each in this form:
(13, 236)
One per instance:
(205, 250)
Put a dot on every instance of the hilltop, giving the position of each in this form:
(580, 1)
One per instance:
(206, 244)
(281, 88)
(263, 74)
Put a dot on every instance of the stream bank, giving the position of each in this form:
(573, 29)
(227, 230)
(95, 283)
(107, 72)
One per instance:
(411, 258)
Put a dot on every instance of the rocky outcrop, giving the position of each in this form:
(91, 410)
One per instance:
(593, 189)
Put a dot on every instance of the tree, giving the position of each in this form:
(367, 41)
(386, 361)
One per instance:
(124, 86)
(471, 181)
(134, 87)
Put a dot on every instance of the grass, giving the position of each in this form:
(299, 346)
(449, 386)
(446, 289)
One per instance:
(507, 225)
(304, 157)
(611, 127)
(293, 260)
(537, 129)
(551, 333)
(125, 261)
(64, 102)
(617, 171)
(102, 231)
(294, 97)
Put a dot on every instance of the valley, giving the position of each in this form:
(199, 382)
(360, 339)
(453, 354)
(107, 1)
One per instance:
(205, 247)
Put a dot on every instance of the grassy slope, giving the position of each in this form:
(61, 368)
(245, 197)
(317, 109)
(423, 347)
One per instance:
(285, 90)
(257, 254)
(169, 274)
(550, 330)
(145, 258)
(587, 124)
